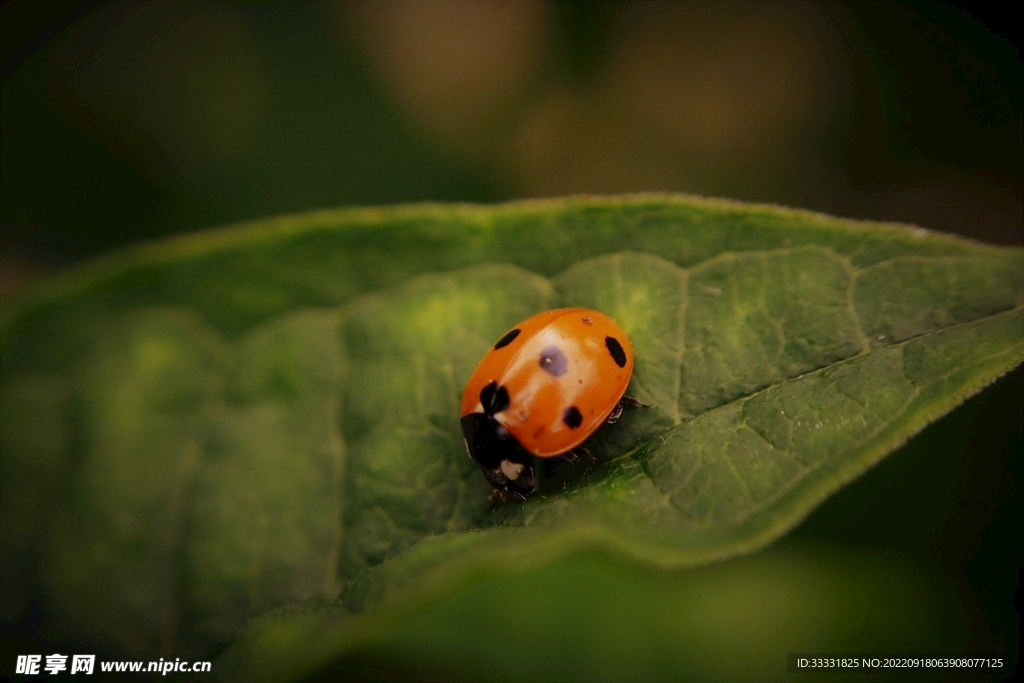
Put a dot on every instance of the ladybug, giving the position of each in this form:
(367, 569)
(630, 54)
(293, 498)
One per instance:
(541, 390)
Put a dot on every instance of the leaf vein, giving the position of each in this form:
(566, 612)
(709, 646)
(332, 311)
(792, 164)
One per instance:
(821, 368)
(667, 498)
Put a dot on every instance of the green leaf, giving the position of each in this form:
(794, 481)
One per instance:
(268, 413)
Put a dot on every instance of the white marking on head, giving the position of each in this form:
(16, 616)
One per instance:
(512, 470)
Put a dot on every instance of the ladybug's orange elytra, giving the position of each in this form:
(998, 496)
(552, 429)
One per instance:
(541, 390)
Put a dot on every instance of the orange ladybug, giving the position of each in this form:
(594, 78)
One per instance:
(541, 390)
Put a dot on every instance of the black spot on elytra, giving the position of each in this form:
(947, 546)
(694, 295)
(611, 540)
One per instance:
(500, 400)
(487, 395)
(507, 339)
(493, 398)
(572, 417)
(553, 361)
(615, 348)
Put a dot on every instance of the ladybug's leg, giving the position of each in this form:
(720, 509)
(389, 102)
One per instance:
(573, 456)
(623, 402)
(502, 495)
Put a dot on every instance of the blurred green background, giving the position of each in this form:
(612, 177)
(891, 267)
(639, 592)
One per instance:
(132, 120)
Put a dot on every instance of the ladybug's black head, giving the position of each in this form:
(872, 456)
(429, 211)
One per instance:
(506, 464)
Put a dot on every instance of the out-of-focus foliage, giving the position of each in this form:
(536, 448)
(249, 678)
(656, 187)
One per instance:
(136, 119)
(592, 618)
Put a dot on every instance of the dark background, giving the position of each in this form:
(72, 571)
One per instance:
(129, 121)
